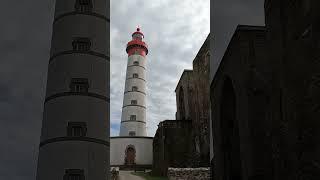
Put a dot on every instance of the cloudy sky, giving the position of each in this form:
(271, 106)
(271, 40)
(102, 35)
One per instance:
(174, 31)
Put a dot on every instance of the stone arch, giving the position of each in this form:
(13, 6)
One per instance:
(232, 169)
(181, 104)
(130, 155)
(259, 118)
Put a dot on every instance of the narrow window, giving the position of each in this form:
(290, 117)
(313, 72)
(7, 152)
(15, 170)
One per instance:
(74, 174)
(134, 88)
(132, 133)
(135, 75)
(81, 44)
(79, 85)
(77, 129)
(134, 102)
(136, 63)
(307, 33)
(133, 118)
(83, 6)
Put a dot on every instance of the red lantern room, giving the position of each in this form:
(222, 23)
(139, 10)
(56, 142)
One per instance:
(136, 45)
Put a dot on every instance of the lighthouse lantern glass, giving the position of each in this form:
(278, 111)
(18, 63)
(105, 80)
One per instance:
(137, 36)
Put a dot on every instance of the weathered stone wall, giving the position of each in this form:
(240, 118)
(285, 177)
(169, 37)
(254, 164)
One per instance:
(185, 142)
(200, 99)
(242, 99)
(189, 173)
(184, 95)
(172, 146)
(265, 97)
(192, 94)
(293, 37)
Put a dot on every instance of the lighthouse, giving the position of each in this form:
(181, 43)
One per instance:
(133, 148)
(74, 143)
(133, 119)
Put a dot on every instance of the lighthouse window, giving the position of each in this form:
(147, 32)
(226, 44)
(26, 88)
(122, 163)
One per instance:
(135, 75)
(74, 174)
(81, 44)
(133, 117)
(77, 129)
(134, 102)
(83, 5)
(136, 63)
(79, 85)
(134, 88)
(132, 133)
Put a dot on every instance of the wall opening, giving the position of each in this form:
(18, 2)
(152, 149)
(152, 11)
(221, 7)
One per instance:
(230, 133)
(130, 155)
(181, 104)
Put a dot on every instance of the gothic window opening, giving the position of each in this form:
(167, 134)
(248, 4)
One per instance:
(133, 118)
(135, 75)
(80, 85)
(83, 6)
(81, 44)
(134, 88)
(134, 102)
(181, 104)
(136, 63)
(230, 132)
(74, 174)
(77, 129)
(132, 133)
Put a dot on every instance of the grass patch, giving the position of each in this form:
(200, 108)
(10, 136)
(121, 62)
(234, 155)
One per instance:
(147, 176)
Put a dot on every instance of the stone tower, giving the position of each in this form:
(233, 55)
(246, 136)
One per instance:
(75, 130)
(133, 120)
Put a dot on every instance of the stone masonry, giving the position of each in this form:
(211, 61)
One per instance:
(189, 173)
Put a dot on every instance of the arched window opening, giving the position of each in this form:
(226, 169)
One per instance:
(230, 132)
(181, 104)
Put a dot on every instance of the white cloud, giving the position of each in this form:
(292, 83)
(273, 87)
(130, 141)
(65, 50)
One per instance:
(174, 32)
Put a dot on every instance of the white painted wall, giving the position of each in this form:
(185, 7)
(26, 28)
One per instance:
(143, 146)
(139, 110)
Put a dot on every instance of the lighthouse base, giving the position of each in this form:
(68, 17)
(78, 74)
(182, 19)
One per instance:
(130, 152)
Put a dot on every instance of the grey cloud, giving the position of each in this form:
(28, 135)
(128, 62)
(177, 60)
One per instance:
(174, 32)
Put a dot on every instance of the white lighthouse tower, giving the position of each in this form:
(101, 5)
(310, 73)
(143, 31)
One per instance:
(74, 141)
(133, 120)
(133, 147)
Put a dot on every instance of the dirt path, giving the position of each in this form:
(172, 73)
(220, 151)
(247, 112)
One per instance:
(126, 175)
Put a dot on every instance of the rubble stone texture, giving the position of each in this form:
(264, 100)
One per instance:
(189, 173)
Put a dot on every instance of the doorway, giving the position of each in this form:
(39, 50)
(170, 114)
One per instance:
(130, 155)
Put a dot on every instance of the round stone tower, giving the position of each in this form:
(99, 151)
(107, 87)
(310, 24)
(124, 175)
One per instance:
(75, 130)
(133, 120)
